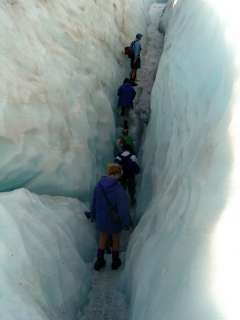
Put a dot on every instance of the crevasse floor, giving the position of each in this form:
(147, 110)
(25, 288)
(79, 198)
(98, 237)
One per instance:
(106, 301)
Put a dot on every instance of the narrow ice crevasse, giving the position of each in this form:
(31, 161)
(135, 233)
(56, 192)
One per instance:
(107, 300)
(54, 139)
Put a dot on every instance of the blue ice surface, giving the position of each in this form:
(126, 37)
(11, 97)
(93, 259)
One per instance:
(174, 261)
(58, 97)
(46, 245)
(58, 91)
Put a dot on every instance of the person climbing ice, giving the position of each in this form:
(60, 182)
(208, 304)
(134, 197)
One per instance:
(126, 94)
(135, 57)
(128, 161)
(110, 208)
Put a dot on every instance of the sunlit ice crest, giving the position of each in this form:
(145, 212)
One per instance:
(226, 238)
(228, 12)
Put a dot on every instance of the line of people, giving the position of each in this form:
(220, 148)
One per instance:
(110, 204)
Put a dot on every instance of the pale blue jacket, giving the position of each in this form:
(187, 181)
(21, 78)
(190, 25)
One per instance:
(137, 49)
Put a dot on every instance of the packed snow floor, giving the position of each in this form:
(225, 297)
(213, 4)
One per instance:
(106, 299)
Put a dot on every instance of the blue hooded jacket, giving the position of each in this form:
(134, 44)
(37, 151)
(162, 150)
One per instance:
(100, 208)
(126, 95)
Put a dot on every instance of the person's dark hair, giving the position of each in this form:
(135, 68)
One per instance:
(126, 80)
(127, 147)
(139, 36)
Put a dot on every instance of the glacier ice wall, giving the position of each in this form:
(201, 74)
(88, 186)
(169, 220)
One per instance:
(61, 63)
(183, 259)
(46, 243)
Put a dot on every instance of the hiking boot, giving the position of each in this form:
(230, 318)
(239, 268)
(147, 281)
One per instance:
(99, 264)
(116, 263)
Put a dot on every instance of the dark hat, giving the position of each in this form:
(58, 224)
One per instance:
(139, 36)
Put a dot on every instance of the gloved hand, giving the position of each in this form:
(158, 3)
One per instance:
(89, 216)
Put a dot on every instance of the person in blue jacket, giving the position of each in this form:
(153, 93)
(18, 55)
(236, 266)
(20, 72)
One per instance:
(126, 94)
(109, 196)
(136, 57)
(128, 161)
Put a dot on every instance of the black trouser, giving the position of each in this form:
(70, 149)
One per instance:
(129, 184)
(125, 111)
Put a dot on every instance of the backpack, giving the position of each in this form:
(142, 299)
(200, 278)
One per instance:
(128, 166)
(129, 51)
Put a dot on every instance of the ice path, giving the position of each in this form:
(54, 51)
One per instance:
(154, 47)
(106, 301)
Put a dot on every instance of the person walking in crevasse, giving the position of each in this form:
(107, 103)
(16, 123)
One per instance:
(128, 161)
(135, 57)
(126, 94)
(110, 208)
(124, 138)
